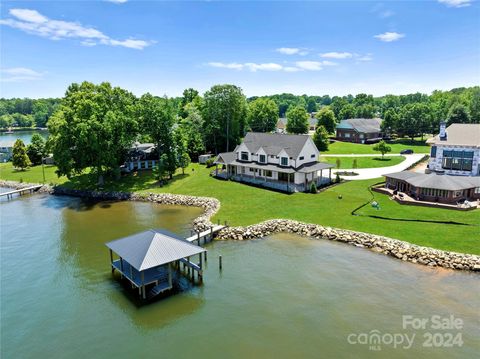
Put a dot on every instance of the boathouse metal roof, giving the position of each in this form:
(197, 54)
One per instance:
(152, 248)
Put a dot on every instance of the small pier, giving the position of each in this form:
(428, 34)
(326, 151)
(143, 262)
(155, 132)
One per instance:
(205, 236)
(21, 191)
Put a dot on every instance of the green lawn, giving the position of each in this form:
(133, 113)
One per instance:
(32, 175)
(244, 205)
(364, 162)
(341, 148)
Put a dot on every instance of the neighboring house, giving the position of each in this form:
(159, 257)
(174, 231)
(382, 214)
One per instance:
(360, 130)
(434, 187)
(282, 125)
(279, 161)
(6, 152)
(456, 150)
(141, 156)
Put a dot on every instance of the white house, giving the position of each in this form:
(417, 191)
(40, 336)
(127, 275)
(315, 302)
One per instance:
(456, 150)
(280, 161)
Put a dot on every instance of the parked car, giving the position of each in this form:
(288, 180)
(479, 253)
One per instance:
(408, 151)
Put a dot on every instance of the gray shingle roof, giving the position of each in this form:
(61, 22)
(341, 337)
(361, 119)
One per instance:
(273, 143)
(461, 134)
(226, 157)
(436, 181)
(364, 125)
(152, 248)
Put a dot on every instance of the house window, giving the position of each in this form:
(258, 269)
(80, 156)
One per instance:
(284, 161)
(244, 156)
(433, 151)
(312, 156)
(347, 135)
(301, 158)
(457, 160)
(263, 159)
(477, 190)
(361, 135)
(268, 173)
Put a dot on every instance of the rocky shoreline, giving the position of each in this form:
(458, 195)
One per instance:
(398, 249)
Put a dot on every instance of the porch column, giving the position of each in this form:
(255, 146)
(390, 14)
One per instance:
(288, 182)
(330, 174)
(143, 285)
(169, 275)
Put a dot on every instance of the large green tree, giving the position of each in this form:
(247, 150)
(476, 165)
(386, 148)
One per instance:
(93, 128)
(19, 156)
(156, 117)
(458, 113)
(262, 115)
(297, 120)
(320, 138)
(326, 118)
(193, 126)
(225, 114)
(36, 149)
(389, 123)
(347, 112)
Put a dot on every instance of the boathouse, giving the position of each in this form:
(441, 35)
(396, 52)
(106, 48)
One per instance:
(149, 259)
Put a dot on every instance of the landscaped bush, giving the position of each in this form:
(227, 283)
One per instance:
(210, 162)
(313, 188)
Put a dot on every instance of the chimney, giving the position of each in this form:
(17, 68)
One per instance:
(443, 131)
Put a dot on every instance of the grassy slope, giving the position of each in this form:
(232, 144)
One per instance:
(365, 162)
(243, 205)
(341, 148)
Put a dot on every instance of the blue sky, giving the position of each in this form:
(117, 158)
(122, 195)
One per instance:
(323, 47)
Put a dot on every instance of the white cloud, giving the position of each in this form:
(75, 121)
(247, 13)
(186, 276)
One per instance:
(292, 51)
(117, 1)
(336, 55)
(309, 65)
(232, 65)
(32, 22)
(291, 69)
(17, 74)
(386, 13)
(364, 58)
(456, 3)
(263, 67)
(389, 36)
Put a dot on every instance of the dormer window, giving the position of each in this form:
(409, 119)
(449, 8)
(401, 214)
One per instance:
(284, 161)
(301, 158)
(244, 156)
(262, 159)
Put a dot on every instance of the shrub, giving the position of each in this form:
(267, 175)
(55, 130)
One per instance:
(209, 163)
(313, 188)
(337, 178)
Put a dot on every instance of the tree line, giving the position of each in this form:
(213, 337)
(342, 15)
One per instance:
(94, 126)
(26, 112)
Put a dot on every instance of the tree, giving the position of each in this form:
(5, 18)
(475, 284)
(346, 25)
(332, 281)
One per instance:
(297, 120)
(193, 126)
(326, 118)
(355, 163)
(36, 149)
(320, 138)
(348, 111)
(93, 128)
(365, 111)
(156, 117)
(19, 155)
(415, 118)
(262, 115)
(184, 161)
(338, 162)
(189, 95)
(458, 114)
(311, 105)
(224, 112)
(382, 147)
(389, 123)
(181, 149)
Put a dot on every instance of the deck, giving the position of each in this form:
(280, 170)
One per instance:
(208, 234)
(30, 189)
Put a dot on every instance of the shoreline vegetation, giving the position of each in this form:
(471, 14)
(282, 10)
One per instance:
(243, 205)
(395, 248)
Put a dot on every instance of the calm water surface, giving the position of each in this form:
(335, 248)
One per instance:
(283, 297)
(25, 136)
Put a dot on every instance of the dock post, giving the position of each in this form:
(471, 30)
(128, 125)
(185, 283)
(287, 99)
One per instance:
(205, 256)
(198, 238)
(220, 262)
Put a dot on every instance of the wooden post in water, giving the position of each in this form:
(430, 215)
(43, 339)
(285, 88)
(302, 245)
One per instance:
(111, 261)
(220, 262)
(200, 275)
(205, 256)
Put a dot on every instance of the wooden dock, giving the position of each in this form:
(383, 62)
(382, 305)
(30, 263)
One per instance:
(206, 236)
(20, 191)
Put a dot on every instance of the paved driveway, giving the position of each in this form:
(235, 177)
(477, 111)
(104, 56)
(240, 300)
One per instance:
(369, 173)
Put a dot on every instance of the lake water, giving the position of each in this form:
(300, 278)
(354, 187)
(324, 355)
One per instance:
(7, 139)
(284, 296)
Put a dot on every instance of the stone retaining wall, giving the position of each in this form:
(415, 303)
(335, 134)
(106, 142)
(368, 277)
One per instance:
(399, 249)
